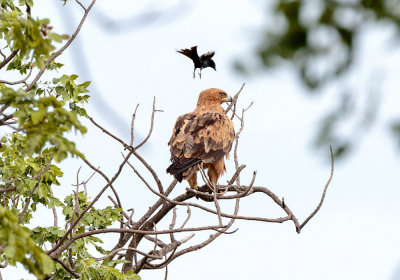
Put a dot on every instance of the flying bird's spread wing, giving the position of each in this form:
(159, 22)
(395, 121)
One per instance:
(201, 62)
(192, 54)
(207, 55)
(203, 136)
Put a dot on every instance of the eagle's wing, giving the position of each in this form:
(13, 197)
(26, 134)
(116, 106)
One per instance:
(200, 138)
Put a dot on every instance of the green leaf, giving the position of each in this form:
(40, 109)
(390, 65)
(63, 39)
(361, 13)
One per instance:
(38, 116)
(19, 246)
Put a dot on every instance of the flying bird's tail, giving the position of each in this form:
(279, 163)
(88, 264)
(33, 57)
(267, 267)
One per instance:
(191, 53)
(179, 166)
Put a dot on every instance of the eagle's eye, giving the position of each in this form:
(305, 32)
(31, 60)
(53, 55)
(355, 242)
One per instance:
(223, 94)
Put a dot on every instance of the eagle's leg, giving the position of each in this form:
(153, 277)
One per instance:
(194, 73)
(200, 73)
(213, 176)
(193, 182)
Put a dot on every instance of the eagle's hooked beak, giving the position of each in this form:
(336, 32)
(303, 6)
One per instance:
(227, 99)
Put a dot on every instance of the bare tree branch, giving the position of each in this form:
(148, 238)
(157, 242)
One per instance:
(133, 125)
(53, 251)
(234, 99)
(76, 208)
(63, 48)
(323, 194)
(145, 230)
(7, 60)
(151, 125)
(123, 249)
(8, 189)
(80, 4)
(20, 81)
(67, 268)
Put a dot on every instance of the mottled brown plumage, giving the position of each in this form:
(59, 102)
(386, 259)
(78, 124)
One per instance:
(204, 136)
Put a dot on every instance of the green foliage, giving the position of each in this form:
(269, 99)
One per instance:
(95, 219)
(32, 37)
(19, 246)
(45, 121)
(70, 91)
(22, 172)
(296, 35)
(319, 40)
(91, 270)
(39, 118)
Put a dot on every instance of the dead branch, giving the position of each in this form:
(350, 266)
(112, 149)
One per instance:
(54, 252)
(123, 249)
(76, 208)
(69, 269)
(63, 48)
(8, 59)
(323, 194)
(20, 81)
(8, 189)
(164, 242)
(133, 125)
(80, 4)
(151, 125)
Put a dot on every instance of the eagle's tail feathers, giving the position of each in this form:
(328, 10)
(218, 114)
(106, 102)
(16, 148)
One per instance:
(179, 166)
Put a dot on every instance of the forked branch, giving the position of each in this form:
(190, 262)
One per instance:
(137, 234)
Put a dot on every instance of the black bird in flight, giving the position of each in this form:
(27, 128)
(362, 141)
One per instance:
(201, 62)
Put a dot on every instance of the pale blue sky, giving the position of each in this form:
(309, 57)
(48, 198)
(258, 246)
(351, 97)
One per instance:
(356, 233)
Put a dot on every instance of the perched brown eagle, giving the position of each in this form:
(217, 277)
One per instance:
(204, 136)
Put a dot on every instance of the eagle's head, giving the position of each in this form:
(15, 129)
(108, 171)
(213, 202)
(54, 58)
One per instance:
(213, 96)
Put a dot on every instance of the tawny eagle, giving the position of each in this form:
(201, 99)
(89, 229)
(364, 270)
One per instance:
(203, 137)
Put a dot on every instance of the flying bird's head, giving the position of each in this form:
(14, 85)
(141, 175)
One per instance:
(211, 64)
(213, 96)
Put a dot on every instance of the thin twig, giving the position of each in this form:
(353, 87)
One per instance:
(189, 212)
(234, 99)
(39, 177)
(172, 225)
(133, 125)
(144, 220)
(8, 189)
(122, 210)
(151, 125)
(6, 60)
(55, 223)
(76, 208)
(80, 4)
(53, 250)
(270, 220)
(4, 265)
(67, 268)
(150, 169)
(18, 82)
(164, 251)
(123, 249)
(158, 242)
(130, 148)
(68, 242)
(203, 244)
(63, 48)
(323, 194)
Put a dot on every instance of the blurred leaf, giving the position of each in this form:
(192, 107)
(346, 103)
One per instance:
(19, 247)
